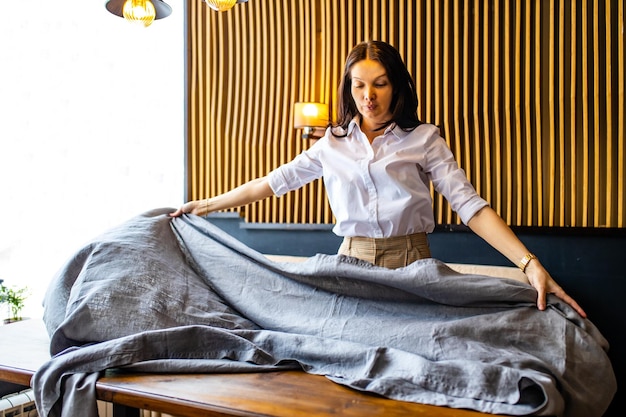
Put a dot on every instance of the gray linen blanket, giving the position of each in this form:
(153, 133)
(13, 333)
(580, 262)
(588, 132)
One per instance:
(179, 295)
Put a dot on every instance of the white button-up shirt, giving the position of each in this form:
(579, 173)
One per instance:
(382, 189)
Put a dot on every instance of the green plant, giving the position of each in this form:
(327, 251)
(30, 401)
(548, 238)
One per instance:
(15, 298)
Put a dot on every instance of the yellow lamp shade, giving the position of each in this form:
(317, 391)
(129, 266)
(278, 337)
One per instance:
(221, 5)
(139, 11)
(310, 115)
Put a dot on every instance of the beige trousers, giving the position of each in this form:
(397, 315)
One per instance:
(392, 252)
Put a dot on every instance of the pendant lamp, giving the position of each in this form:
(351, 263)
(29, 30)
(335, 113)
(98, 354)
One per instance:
(143, 11)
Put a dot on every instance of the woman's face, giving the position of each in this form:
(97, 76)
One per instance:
(372, 91)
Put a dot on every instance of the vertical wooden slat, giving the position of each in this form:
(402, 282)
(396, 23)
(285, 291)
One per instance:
(433, 68)
(527, 166)
(507, 167)
(286, 95)
(253, 131)
(402, 30)
(368, 33)
(442, 215)
(464, 152)
(318, 202)
(254, 105)
(497, 107)
(597, 171)
(309, 80)
(376, 27)
(538, 150)
(275, 84)
(488, 75)
(608, 122)
(299, 210)
(386, 15)
(412, 41)
(333, 78)
(551, 118)
(585, 116)
(344, 17)
(456, 77)
(203, 185)
(456, 68)
(517, 99)
(416, 61)
(621, 115)
(573, 133)
(476, 138)
(218, 118)
(300, 19)
(316, 187)
(264, 110)
(561, 114)
(231, 99)
(327, 96)
(212, 121)
(239, 176)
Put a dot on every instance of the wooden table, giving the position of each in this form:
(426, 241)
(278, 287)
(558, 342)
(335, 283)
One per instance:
(24, 347)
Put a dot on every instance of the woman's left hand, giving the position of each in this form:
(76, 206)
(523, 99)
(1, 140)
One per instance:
(544, 284)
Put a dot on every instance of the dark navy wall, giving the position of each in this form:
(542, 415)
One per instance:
(587, 263)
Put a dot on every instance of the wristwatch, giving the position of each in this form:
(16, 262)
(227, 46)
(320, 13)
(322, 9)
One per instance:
(525, 260)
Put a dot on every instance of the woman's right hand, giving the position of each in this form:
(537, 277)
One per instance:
(197, 207)
(247, 193)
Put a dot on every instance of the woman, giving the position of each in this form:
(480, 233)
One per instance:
(377, 164)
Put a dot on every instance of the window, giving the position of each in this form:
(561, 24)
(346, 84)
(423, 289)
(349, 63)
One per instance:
(91, 130)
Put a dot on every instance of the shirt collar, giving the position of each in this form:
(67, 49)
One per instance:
(392, 128)
(354, 123)
(398, 132)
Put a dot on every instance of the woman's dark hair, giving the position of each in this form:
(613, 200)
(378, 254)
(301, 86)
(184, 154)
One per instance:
(404, 98)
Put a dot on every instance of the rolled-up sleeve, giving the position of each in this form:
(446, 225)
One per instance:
(303, 169)
(450, 181)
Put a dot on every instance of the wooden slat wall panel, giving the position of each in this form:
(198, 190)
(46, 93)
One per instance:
(528, 94)
(620, 27)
